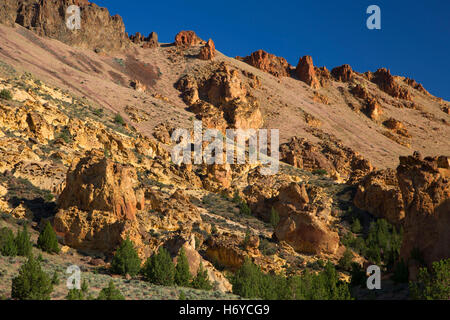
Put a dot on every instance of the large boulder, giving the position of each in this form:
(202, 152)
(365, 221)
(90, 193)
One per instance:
(343, 73)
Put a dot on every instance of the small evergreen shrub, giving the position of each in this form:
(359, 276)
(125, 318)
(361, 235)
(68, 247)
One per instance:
(201, 280)
(432, 284)
(182, 273)
(126, 259)
(23, 243)
(6, 94)
(274, 218)
(8, 246)
(110, 293)
(47, 240)
(159, 268)
(32, 283)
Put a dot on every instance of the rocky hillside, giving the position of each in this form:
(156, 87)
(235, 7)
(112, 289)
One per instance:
(85, 144)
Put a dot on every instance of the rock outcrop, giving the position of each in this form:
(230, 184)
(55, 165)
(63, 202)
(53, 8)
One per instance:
(425, 187)
(98, 29)
(96, 183)
(268, 62)
(187, 39)
(343, 73)
(146, 42)
(386, 82)
(225, 100)
(208, 52)
(305, 72)
(379, 194)
(301, 226)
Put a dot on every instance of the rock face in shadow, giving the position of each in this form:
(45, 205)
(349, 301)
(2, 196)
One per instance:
(98, 31)
(425, 187)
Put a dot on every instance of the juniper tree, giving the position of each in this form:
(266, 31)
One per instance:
(274, 218)
(182, 273)
(126, 260)
(23, 243)
(201, 280)
(8, 246)
(110, 293)
(159, 268)
(32, 283)
(47, 240)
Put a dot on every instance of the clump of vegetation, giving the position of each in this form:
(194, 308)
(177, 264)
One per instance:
(79, 294)
(320, 172)
(47, 240)
(432, 284)
(201, 280)
(243, 206)
(32, 283)
(6, 94)
(110, 293)
(346, 261)
(126, 259)
(119, 120)
(65, 135)
(274, 218)
(382, 244)
(159, 268)
(182, 274)
(23, 243)
(250, 282)
(356, 226)
(8, 247)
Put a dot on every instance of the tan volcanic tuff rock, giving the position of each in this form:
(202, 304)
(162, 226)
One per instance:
(208, 52)
(96, 183)
(425, 187)
(224, 96)
(188, 39)
(98, 29)
(305, 72)
(147, 42)
(301, 225)
(379, 194)
(268, 62)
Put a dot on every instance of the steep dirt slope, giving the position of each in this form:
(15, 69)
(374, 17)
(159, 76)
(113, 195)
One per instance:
(286, 103)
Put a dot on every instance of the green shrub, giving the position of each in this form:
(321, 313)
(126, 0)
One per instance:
(245, 209)
(119, 120)
(250, 282)
(159, 268)
(346, 261)
(126, 260)
(32, 283)
(110, 293)
(201, 280)
(76, 294)
(182, 296)
(6, 94)
(47, 240)
(55, 279)
(182, 274)
(356, 226)
(23, 243)
(433, 284)
(8, 246)
(320, 172)
(274, 218)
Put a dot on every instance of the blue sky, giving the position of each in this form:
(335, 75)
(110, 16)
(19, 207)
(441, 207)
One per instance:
(414, 40)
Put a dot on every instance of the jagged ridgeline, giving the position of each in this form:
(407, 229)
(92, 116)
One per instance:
(86, 119)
